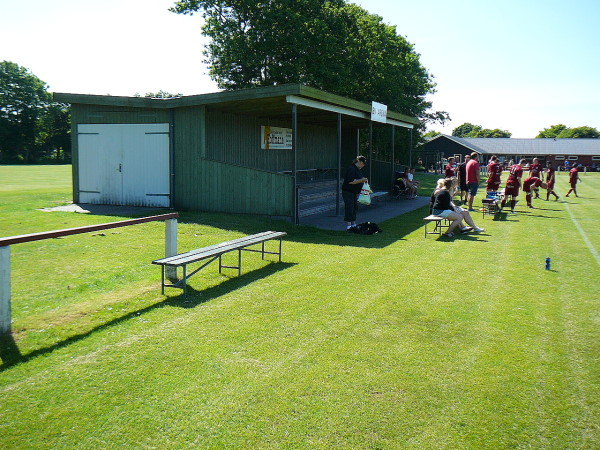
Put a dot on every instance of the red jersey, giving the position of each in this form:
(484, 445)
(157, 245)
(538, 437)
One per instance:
(473, 171)
(514, 175)
(531, 181)
(494, 171)
(550, 177)
(535, 170)
(449, 171)
(573, 174)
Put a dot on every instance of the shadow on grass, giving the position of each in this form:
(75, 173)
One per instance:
(394, 230)
(11, 355)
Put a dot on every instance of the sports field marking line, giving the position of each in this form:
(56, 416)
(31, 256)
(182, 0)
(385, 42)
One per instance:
(589, 244)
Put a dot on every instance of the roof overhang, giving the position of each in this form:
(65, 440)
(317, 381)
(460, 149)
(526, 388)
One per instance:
(317, 106)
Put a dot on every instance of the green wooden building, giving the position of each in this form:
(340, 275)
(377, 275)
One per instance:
(276, 151)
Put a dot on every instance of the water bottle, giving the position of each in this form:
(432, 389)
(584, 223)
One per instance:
(548, 263)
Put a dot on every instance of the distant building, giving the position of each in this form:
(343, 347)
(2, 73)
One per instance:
(558, 151)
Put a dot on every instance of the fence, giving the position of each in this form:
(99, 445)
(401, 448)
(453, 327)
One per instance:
(5, 243)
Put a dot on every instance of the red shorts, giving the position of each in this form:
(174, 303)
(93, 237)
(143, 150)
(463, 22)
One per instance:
(512, 190)
(573, 184)
(492, 185)
(550, 185)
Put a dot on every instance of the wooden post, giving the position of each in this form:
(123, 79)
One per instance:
(295, 214)
(5, 290)
(171, 246)
(339, 165)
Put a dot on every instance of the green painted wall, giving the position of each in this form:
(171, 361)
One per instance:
(203, 183)
(236, 139)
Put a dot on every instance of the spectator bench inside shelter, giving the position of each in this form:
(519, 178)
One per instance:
(213, 252)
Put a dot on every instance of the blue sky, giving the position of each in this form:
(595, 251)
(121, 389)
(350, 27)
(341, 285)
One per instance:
(515, 65)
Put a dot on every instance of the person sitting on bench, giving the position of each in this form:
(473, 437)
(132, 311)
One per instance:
(465, 215)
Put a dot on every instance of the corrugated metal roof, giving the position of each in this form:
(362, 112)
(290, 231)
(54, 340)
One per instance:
(533, 147)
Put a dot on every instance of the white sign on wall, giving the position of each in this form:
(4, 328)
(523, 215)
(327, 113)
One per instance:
(275, 138)
(378, 112)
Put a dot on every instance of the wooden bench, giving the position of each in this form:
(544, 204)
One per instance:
(440, 224)
(213, 252)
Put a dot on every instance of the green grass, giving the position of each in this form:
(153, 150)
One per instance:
(383, 341)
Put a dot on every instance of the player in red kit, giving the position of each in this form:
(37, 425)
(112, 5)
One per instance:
(550, 179)
(494, 171)
(513, 183)
(536, 170)
(573, 179)
(528, 185)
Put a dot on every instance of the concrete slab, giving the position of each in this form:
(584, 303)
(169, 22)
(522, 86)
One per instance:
(377, 212)
(108, 210)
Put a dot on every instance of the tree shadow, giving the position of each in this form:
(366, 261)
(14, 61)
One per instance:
(11, 355)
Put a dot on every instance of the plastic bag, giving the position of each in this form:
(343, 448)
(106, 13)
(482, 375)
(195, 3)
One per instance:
(364, 198)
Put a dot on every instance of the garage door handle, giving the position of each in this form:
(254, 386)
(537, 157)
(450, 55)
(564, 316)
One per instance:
(120, 167)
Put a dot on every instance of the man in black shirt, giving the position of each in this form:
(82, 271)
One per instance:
(351, 187)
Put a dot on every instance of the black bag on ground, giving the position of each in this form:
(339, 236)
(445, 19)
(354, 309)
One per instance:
(367, 228)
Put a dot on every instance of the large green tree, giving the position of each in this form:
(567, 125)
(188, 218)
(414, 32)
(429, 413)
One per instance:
(579, 133)
(468, 130)
(330, 45)
(561, 131)
(552, 132)
(32, 127)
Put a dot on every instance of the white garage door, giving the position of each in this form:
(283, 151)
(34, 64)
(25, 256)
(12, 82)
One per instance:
(124, 164)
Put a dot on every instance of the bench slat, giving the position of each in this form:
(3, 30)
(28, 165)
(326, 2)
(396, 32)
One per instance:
(218, 249)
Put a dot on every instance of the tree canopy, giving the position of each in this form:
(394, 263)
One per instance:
(32, 127)
(468, 130)
(329, 45)
(561, 131)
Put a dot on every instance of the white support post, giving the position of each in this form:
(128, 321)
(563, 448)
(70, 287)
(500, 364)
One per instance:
(5, 290)
(171, 246)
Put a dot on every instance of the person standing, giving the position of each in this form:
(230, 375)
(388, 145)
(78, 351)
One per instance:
(536, 171)
(494, 173)
(573, 179)
(462, 179)
(472, 172)
(550, 179)
(353, 182)
(513, 183)
(450, 171)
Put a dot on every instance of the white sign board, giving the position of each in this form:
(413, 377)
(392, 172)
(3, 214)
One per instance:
(275, 138)
(378, 112)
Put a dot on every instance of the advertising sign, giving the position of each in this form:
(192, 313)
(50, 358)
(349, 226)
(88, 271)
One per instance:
(275, 138)
(378, 112)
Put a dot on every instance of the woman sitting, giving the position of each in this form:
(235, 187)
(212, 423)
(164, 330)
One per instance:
(442, 206)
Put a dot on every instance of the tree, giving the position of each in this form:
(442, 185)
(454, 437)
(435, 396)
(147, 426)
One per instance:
(468, 130)
(23, 100)
(465, 130)
(330, 45)
(31, 125)
(159, 94)
(431, 134)
(579, 133)
(495, 133)
(552, 132)
(561, 131)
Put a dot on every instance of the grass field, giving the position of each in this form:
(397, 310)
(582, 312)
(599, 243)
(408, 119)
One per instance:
(383, 341)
